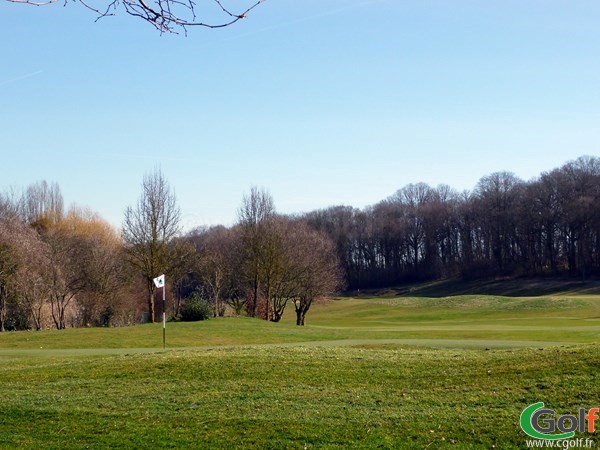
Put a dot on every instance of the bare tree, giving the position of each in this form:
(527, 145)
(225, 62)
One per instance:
(68, 256)
(150, 228)
(297, 263)
(42, 205)
(277, 270)
(255, 217)
(10, 204)
(165, 15)
(340, 224)
(31, 279)
(235, 288)
(497, 200)
(104, 271)
(32, 287)
(182, 272)
(317, 269)
(213, 264)
(23, 264)
(8, 267)
(285, 261)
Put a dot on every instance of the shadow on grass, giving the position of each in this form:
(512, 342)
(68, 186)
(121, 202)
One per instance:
(510, 287)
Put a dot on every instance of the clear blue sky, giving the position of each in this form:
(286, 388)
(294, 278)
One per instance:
(321, 101)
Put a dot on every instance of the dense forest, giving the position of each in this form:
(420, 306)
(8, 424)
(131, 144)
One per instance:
(504, 226)
(71, 268)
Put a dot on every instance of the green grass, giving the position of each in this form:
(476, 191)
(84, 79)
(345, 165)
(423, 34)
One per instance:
(291, 397)
(553, 319)
(369, 372)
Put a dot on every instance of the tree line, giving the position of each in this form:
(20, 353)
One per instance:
(265, 262)
(60, 269)
(548, 226)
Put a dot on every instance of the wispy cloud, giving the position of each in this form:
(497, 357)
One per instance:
(21, 77)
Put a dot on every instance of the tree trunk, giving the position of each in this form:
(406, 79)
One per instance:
(255, 299)
(53, 302)
(2, 310)
(268, 308)
(178, 306)
(151, 301)
(300, 315)
(61, 318)
(62, 306)
(36, 315)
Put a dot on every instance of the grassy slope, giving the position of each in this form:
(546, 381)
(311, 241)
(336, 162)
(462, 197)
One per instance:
(510, 287)
(268, 395)
(479, 318)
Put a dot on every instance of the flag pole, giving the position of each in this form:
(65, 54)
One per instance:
(164, 317)
(159, 282)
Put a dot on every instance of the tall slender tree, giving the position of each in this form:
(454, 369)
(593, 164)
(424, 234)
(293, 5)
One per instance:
(150, 229)
(255, 219)
(42, 205)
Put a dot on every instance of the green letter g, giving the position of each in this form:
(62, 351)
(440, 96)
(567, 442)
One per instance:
(529, 423)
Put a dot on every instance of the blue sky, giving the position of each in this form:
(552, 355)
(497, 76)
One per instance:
(321, 102)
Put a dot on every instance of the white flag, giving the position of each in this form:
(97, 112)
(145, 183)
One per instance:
(159, 281)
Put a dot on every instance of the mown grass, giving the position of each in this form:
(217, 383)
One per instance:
(363, 373)
(291, 397)
(550, 318)
(553, 319)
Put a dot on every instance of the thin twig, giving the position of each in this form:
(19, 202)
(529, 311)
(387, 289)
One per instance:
(159, 13)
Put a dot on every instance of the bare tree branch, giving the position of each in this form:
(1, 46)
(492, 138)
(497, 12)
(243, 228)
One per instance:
(167, 16)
